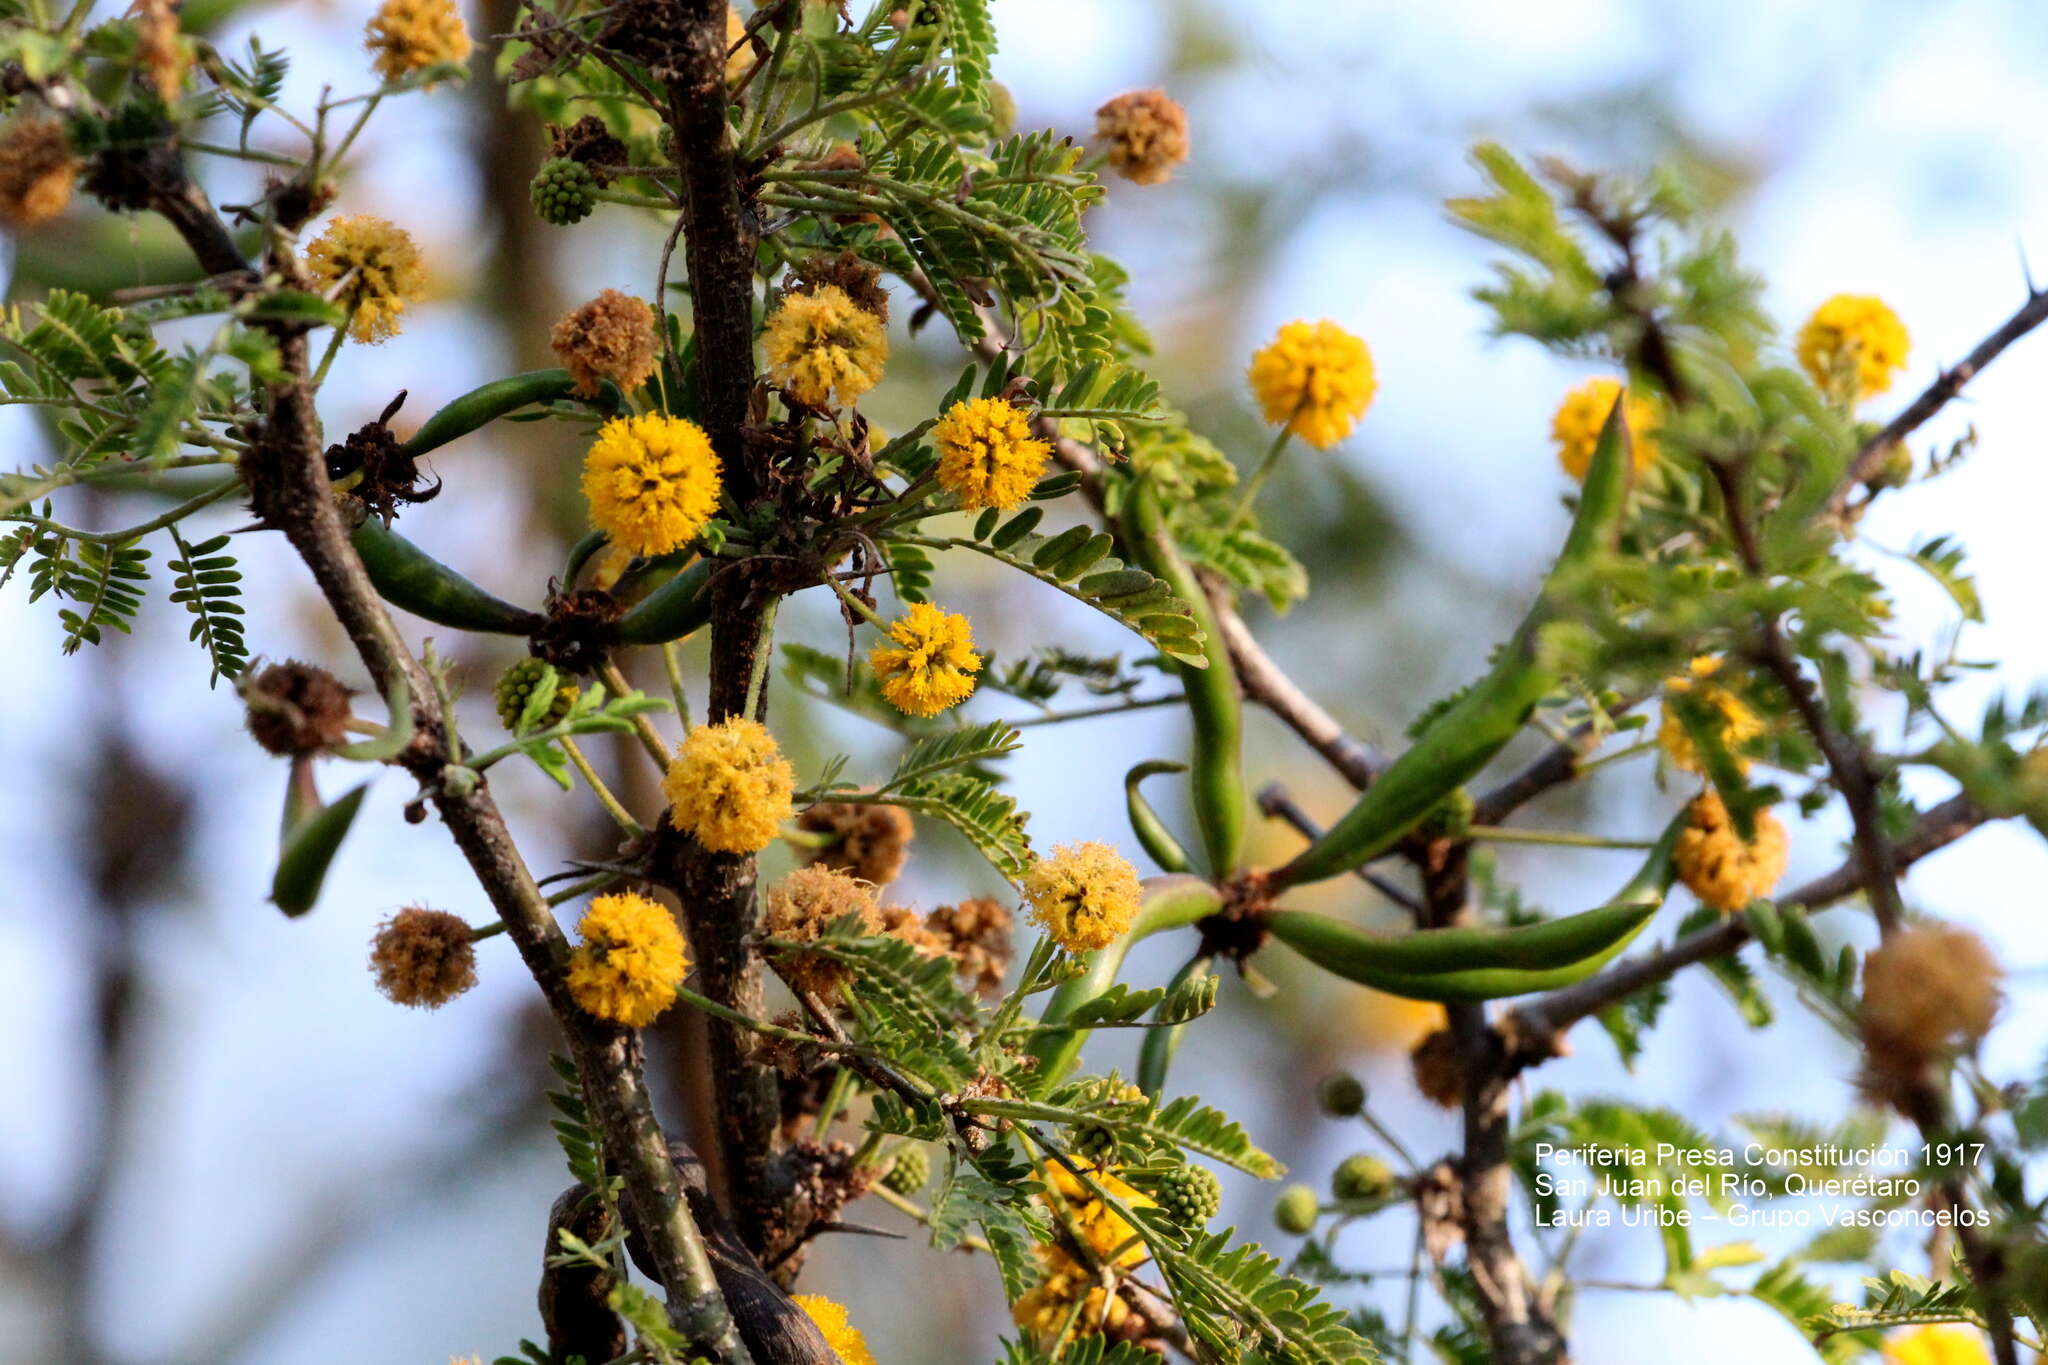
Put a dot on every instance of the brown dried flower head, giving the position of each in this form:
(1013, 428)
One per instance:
(611, 337)
(423, 958)
(1439, 1074)
(900, 921)
(861, 282)
(1927, 990)
(978, 934)
(589, 142)
(1146, 135)
(158, 48)
(801, 907)
(296, 708)
(37, 171)
(873, 842)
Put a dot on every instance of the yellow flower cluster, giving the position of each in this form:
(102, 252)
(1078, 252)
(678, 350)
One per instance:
(729, 786)
(1044, 1310)
(630, 961)
(1936, 1343)
(1578, 420)
(1852, 345)
(1316, 379)
(1145, 134)
(841, 1335)
(821, 345)
(611, 337)
(409, 35)
(1737, 723)
(652, 482)
(987, 454)
(739, 55)
(1085, 895)
(929, 664)
(1108, 1234)
(373, 270)
(1717, 866)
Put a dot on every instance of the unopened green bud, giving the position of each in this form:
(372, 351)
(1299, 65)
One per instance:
(564, 192)
(1341, 1095)
(1361, 1177)
(1296, 1210)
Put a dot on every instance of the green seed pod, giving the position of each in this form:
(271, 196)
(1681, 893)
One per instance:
(908, 1172)
(515, 690)
(486, 404)
(675, 609)
(407, 576)
(564, 192)
(1342, 1095)
(1363, 1176)
(1486, 963)
(1153, 835)
(1296, 1210)
(1217, 783)
(1464, 738)
(1189, 1195)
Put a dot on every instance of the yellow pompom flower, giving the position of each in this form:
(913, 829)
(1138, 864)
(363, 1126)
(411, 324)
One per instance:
(821, 345)
(841, 1335)
(1737, 723)
(739, 59)
(1852, 345)
(1316, 379)
(987, 454)
(373, 271)
(408, 35)
(1085, 895)
(652, 482)
(630, 961)
(1044, 1309)
(1717, 866)
(1579, 418)
(1113, 1240)
(730, 786)
(929, 664)
(1936, 1343)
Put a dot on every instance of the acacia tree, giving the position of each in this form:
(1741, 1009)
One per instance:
(817, 168)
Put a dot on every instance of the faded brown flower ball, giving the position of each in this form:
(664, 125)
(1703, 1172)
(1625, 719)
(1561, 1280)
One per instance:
(978, 934)
(423, 958)
(1439, 1074)
(590, 142)
(611, 337)
(37, 171)
(859, 281)
(873, 842)
(801, 907)
(1146, 135)
(296, 708)
(1927, 990)
(900, 921)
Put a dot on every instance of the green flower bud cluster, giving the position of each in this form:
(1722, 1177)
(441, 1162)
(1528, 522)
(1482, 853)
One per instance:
(515, 689)
(1189, 1195)
(908, 1172)
(564, 192)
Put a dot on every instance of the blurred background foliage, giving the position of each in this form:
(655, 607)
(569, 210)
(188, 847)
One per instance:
(220, 1144)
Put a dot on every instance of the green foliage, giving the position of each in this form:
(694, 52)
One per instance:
(208, 586)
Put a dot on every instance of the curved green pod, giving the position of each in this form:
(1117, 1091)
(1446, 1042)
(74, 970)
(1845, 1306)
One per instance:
(1465, 738)
(486, 404)
(677, 608)
(308, 851)
(1463, 964)
(1217, 766)
(407, 576)
(1155, 1054)
(1151, 831)
(1171, 902)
